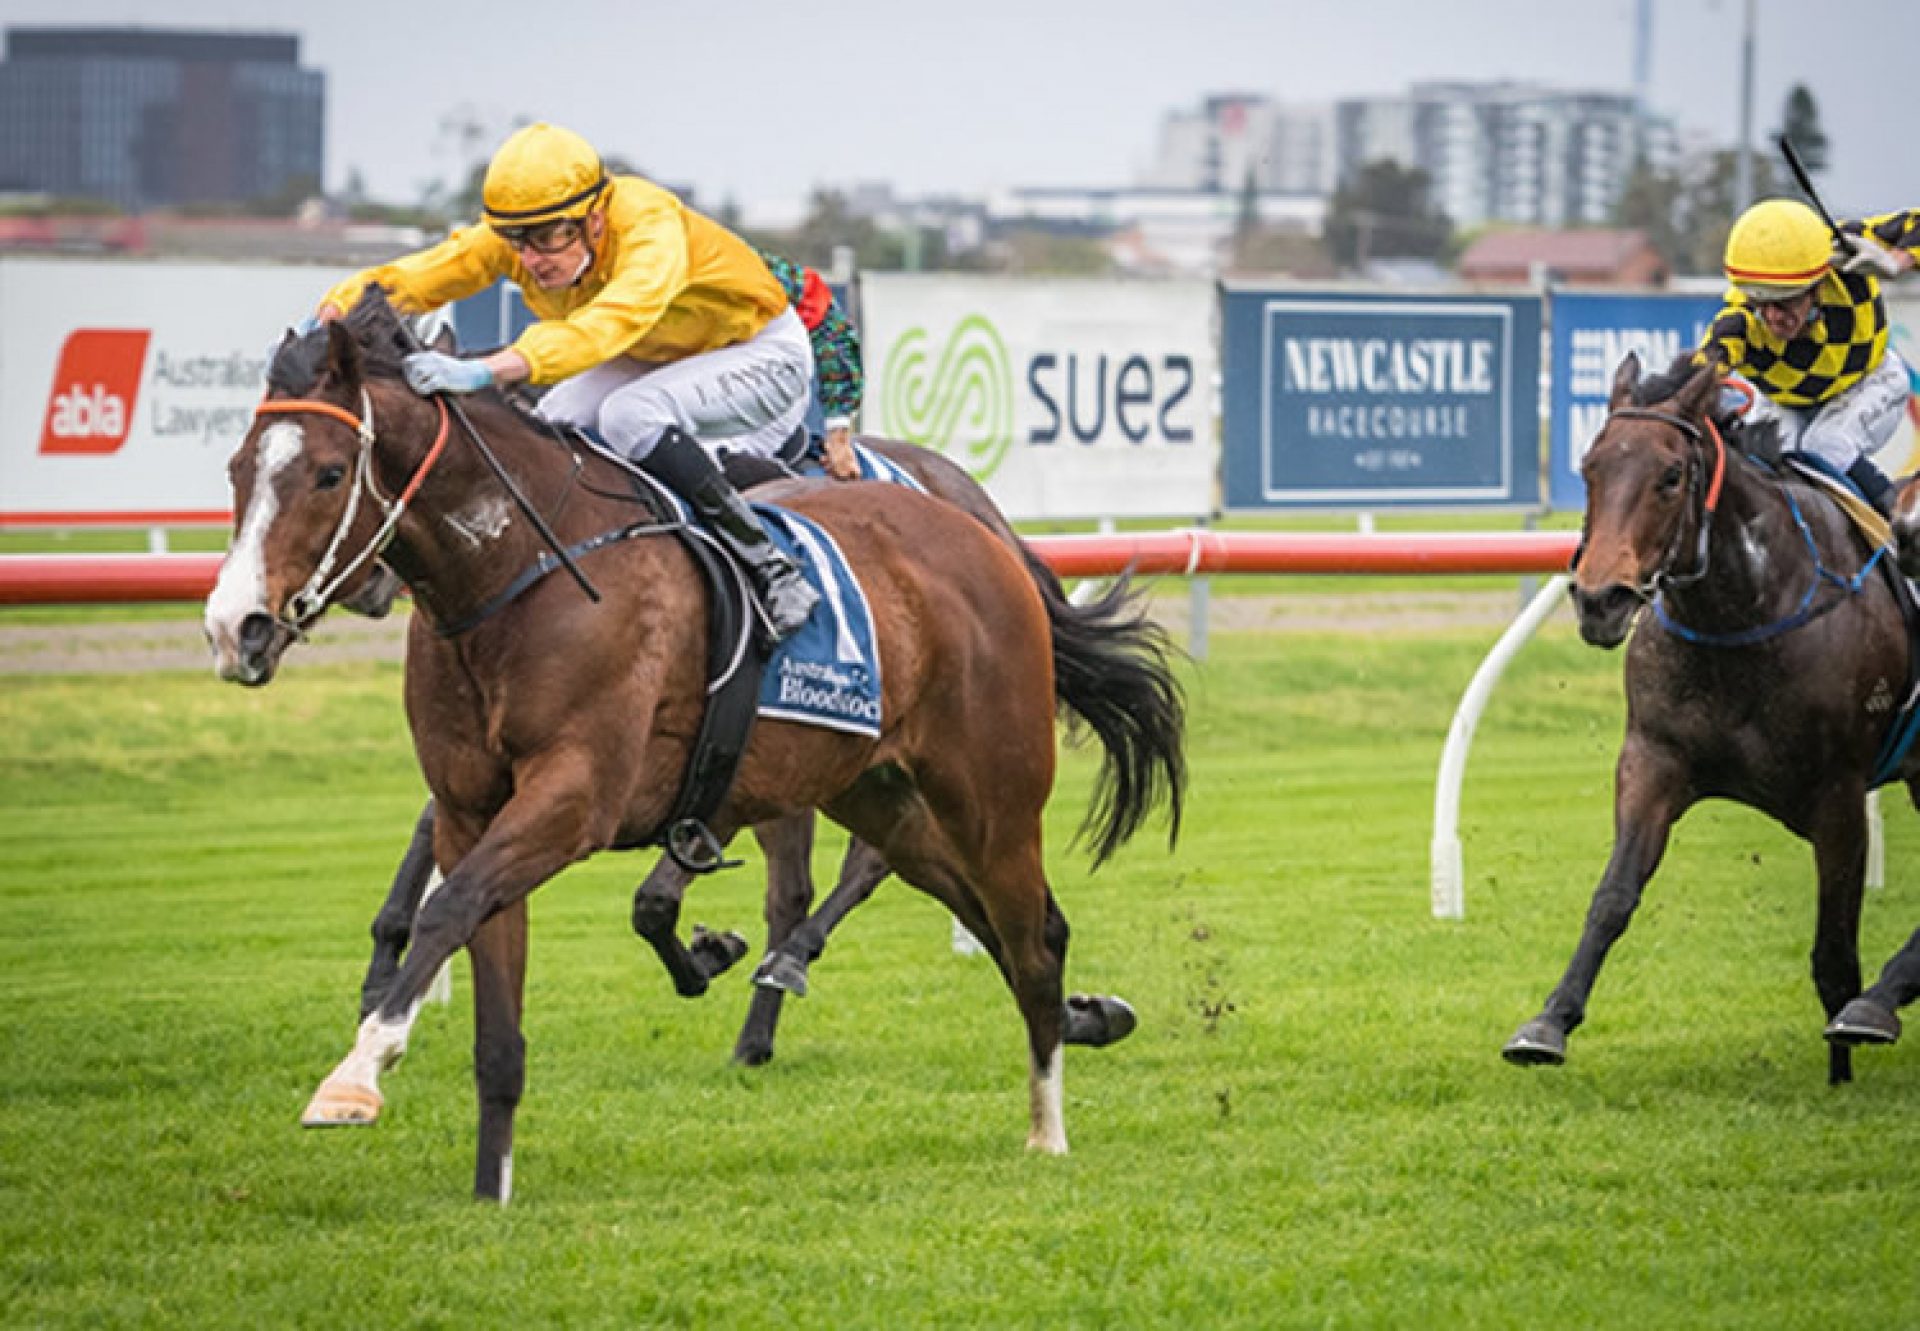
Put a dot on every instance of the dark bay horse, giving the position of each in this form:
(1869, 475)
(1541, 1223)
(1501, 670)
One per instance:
(1771, 675)
(1144, 727)
(559, 726)
(1871, 1018)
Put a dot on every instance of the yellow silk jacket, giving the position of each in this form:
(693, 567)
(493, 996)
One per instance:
(666, 283)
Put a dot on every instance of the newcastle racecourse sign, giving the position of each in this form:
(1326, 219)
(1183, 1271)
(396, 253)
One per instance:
(1352, 400)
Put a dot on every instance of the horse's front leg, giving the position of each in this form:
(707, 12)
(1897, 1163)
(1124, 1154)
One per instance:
(656, 918)
(498, 953)
(1649, 795)
(1839, 838)
(1872, 1017)
(541, 830)
(393, 924)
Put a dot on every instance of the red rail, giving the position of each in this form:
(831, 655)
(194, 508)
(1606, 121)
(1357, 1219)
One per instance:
(78, 579)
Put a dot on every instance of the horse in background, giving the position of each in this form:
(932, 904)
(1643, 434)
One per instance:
(557, 727)
(1771, 675)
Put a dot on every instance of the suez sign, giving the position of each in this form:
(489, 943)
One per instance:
(124, 386)
(1065, 398)
(1348, 399)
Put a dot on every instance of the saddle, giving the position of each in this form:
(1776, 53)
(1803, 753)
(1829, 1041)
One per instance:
(1878, 534)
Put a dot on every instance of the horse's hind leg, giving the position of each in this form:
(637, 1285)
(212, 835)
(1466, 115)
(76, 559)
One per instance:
(1000, 893)
(793, 945)
(656, 918)
(1840, 855)
(1648, 796)
(787, 844)
(498, 952)
(862, 870)
(393, 925)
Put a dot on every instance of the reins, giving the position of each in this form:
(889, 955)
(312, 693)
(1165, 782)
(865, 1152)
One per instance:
(306, 605)
(1803, 613)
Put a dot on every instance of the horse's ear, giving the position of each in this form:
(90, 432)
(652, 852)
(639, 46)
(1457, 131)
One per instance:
(1698, 393)
(1625, 380)
(343, 356)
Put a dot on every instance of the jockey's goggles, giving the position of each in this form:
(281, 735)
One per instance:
(542, 237)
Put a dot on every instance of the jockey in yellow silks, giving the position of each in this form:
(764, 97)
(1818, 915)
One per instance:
(660, 330)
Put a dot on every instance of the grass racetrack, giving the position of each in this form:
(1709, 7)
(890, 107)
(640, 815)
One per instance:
(1312, 1127)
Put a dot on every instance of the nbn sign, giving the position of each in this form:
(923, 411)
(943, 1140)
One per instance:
(1352, 400)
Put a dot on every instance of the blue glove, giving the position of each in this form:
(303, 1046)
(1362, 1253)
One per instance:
(436, 372)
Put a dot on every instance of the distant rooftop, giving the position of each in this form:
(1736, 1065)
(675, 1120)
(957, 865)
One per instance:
(151, 44)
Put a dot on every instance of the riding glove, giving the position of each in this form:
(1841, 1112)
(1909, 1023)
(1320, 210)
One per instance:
(435, 372)
(1867, 255)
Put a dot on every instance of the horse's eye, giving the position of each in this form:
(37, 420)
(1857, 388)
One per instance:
(330, 476)
(1670, 478)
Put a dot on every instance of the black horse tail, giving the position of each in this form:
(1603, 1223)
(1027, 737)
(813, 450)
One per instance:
(1113, 672)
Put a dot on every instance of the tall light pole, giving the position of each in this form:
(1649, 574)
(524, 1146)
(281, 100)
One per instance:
(1743, 157)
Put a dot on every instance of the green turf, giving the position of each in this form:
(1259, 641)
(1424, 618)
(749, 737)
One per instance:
(1312, 1127)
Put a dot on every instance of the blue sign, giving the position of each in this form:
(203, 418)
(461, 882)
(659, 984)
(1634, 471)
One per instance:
(492, 318)
(1355, 400)
(1592, 334)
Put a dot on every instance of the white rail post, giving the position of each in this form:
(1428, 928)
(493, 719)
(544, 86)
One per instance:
(1876, 842)
(1449, 890)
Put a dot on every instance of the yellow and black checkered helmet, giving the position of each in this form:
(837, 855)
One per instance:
(540, 174)
(1778, 249)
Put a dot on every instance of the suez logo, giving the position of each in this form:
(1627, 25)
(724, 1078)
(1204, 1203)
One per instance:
(960, 397)
(95, 387)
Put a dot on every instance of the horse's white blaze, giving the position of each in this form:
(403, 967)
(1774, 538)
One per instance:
(1046, 1097)
(241, 589)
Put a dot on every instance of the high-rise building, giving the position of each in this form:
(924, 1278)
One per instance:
(1215, 150)
(144, 117)
(1505, 152)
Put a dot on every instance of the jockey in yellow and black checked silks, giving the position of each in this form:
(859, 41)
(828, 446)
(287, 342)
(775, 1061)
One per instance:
(1844, 338)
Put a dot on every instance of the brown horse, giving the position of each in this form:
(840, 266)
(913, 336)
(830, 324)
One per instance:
(1145, 729)
(1770, 676)
(558, 727)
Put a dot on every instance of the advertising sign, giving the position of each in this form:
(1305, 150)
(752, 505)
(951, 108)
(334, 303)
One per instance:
(1065, 398)
(1359, 400)
(1593, 332)
(125, 386)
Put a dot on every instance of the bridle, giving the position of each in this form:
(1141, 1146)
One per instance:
(307, 604)
(1704, 490)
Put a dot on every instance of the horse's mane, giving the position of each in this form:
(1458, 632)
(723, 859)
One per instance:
(375, 326)
(1758, 440)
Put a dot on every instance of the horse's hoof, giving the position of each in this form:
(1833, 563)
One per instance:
(1097, 1020)
(784, 972)
(341, 1104)
(1536, 1044)
(713, 952)
(752, 1054)
(1864, 1021)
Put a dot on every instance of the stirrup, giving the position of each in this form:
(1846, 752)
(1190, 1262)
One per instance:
(696, 849)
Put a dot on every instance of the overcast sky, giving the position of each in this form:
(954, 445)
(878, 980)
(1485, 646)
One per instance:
(757, 101)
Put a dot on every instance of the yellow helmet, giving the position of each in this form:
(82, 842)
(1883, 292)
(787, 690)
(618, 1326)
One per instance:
(1777, 249)
(540, 174)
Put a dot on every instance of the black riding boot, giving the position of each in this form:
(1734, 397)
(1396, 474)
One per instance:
(1873, 483)
(680, 461)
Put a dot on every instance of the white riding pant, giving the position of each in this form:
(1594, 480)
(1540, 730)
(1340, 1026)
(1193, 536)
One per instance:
(1856, 424)
(749, 397)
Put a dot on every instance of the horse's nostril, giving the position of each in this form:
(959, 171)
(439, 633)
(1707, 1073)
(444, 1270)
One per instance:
(256, 634)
